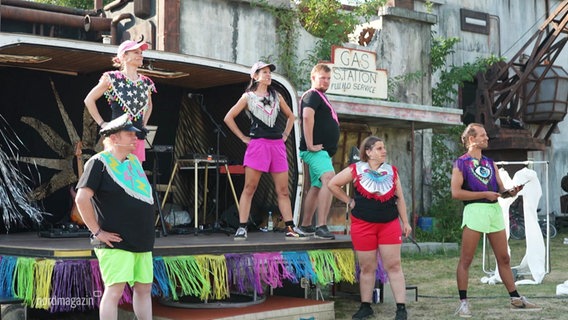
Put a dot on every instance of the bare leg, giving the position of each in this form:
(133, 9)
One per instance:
(368, 265)
(142, 301)
(108, 309)
(390, 255)
(310, 203)
(251, 183)
(470, 239)
(324, 199)
(498, 242)
(283, 194)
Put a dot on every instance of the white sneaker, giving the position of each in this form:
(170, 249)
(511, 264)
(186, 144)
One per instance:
(522, 304)
(241, 234)
(463, 310)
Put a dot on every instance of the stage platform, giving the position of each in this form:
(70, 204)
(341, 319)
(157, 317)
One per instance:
(274, 307)
(56, 274)
(29, 244)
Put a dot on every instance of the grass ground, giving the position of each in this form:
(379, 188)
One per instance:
(434, 274)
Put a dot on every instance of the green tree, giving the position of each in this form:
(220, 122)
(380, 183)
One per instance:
(80, 4)
(324, 19)
(452, 77)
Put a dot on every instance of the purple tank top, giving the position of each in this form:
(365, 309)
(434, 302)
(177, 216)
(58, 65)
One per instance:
(478, 175)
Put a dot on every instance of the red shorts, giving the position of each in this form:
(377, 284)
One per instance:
(266, 155)
(367, 236)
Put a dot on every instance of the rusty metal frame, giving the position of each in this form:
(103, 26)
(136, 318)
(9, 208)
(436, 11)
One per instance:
(501, 88)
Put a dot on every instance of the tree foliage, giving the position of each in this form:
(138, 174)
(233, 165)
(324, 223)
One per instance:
(324, 19)
(327, 20)
(80, 4)
(452, 77)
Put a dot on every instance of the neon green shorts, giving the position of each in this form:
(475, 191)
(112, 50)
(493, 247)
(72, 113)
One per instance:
(483, 217)
(319, 162)
(118, 266)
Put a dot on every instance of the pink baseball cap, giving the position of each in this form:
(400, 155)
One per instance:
(259, 65)
(129, 45)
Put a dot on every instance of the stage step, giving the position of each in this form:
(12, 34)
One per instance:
(274, 308)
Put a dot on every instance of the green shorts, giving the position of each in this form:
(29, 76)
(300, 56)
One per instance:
(319, 162)
(483, 217)
(118, 266)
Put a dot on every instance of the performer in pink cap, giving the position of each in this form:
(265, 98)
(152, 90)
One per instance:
(126, 91)
(266, 145)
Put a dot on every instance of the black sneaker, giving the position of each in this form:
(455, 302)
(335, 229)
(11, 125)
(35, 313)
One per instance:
(308, 231)
(400, 314)
(323, 233)
(364, 312)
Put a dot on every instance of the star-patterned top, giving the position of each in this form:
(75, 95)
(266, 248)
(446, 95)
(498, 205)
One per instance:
(130, 96)
(264, 109)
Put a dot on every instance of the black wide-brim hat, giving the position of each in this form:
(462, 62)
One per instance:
(121, 123)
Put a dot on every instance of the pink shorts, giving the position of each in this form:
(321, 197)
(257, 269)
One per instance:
(367, 236)
(140, 151)
(266, 155)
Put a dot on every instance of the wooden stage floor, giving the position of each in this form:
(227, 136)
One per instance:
(30, 244)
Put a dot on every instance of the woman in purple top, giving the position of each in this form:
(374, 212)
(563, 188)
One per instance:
(475, 181)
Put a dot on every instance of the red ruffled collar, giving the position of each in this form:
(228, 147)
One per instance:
(375, 184)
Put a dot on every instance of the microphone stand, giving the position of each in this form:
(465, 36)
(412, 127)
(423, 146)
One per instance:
(155, 190)
(218, 131)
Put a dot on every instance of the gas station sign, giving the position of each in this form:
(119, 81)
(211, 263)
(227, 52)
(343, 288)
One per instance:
(354, 73)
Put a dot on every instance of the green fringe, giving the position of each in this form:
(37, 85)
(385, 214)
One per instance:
(323, 262)
(24, 280)
(186, 275)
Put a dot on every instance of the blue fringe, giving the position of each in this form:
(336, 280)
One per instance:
(161, 286)
(7, 267)
(300, 265)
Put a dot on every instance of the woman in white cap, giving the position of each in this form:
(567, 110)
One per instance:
(266, 145)
(126, 91)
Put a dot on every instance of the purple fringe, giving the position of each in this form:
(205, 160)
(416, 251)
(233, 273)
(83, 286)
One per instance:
(240, 272)
(72, 286)
(380, 273)
(98, 286)
(126, 295)
(96, 282)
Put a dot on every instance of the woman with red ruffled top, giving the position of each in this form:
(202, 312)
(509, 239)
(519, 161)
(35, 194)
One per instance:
(377, 210)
